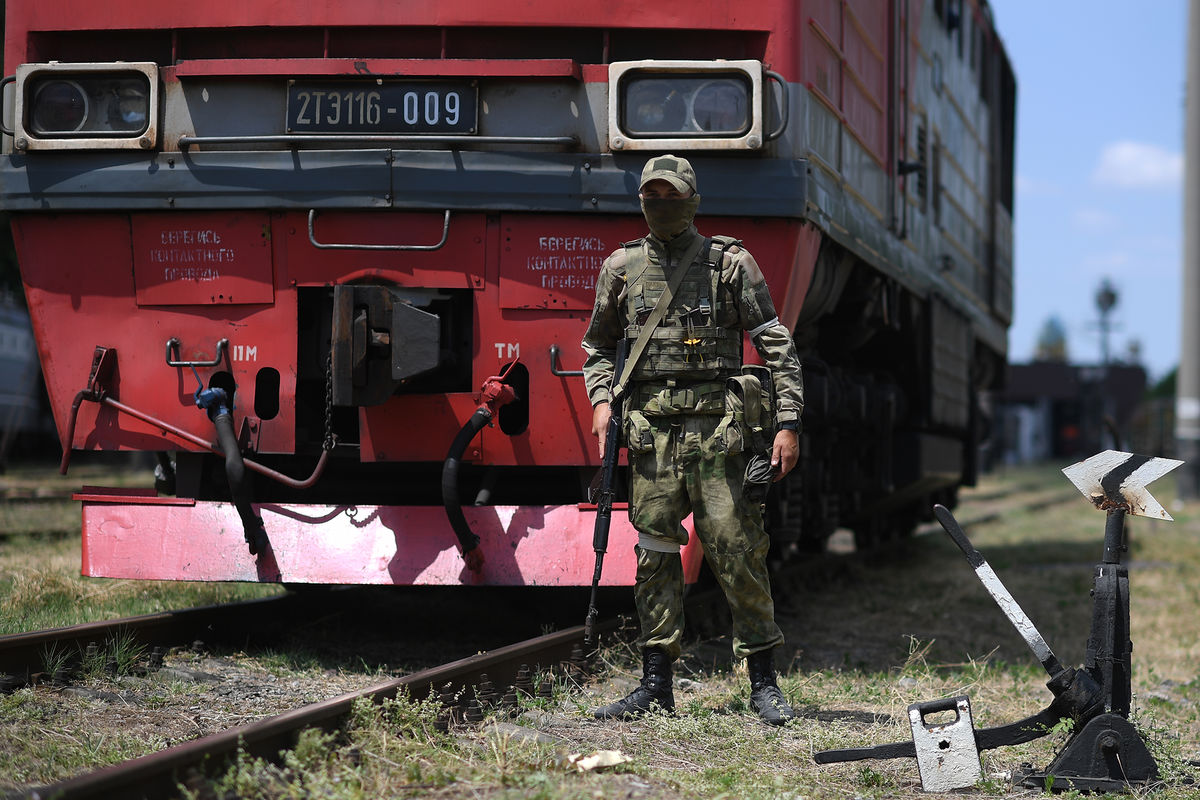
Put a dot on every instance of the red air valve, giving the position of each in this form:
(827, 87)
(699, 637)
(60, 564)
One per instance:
(495, 393)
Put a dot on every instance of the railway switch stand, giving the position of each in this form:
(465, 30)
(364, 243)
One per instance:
(1105, 752)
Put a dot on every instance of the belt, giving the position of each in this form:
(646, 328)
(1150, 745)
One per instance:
(658, 399)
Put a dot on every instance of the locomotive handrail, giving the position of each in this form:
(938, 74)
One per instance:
(173, 347)
(554, 368)
(168, 428)
(783, 105)
(312, 238)
(295, 140)
(7, 80)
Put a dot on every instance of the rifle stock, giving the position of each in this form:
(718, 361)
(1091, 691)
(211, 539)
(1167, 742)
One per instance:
(604, 495)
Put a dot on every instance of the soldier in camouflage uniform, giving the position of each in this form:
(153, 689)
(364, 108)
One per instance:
(693, 424)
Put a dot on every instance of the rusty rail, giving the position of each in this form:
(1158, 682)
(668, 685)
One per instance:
(21, 654)
(158, 775)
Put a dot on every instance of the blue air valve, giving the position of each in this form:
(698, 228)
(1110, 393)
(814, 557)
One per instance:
(214, 401)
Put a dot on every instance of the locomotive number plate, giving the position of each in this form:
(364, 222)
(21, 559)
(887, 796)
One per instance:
(412, 107)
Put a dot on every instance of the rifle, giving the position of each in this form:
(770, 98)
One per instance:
(602, 495)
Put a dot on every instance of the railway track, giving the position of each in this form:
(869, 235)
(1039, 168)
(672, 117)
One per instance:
(34, 494)
(984, 508)
(158, 775)
(23, 656)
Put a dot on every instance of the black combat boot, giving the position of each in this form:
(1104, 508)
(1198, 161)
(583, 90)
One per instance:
(654, 691)
(765, 697)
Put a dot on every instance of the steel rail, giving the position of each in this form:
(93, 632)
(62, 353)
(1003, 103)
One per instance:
(158, 775)
(22, 654)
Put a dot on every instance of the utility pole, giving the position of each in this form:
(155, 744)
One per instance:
(1106, 298)
(1187, 392)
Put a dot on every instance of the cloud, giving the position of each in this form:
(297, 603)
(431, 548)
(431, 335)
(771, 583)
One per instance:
(1138, 165)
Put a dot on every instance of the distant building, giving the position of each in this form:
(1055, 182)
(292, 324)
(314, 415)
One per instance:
(1050, 410)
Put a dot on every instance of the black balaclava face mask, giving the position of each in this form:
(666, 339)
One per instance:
(669, 217)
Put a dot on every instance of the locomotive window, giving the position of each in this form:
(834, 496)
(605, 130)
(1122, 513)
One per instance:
(713, 104)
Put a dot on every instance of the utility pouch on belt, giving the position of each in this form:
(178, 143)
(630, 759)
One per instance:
(767, 391)
(639, 436)
(750, 393)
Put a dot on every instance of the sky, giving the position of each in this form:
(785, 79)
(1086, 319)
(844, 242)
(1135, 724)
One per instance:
(1099, 194)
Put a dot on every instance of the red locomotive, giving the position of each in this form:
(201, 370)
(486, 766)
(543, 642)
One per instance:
(333, 260)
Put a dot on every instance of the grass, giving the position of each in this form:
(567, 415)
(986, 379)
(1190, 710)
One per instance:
(41, 741)
(40, 584)
(864, 643)
(912, 627)
(40, 587)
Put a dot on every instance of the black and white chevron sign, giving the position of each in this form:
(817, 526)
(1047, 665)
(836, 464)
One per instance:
(1113, 479)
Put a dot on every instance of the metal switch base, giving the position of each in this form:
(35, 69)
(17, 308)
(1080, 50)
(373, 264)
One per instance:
(1108, 755)
(947, 754)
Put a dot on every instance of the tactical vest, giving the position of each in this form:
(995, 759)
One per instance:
(690, 354)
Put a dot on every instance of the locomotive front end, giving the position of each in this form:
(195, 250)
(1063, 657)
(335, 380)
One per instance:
(300, 281)
(333, 266)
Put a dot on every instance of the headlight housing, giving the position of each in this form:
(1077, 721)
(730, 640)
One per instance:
(86, 106)
(685, 105)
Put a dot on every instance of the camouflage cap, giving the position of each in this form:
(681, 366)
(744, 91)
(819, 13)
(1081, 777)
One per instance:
(673, 169)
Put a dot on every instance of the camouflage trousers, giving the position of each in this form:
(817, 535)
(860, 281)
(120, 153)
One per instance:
(690, 468)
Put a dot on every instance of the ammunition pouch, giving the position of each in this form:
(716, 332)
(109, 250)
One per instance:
(666, 398)
(707, 351)
(748, 404)
(639, 435)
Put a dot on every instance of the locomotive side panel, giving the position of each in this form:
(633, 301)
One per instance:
(904, 327)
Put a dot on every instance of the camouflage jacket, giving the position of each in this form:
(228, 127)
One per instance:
(630, 281)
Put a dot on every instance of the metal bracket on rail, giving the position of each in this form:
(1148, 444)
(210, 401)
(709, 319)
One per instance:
(312, 238)
(1105, 752)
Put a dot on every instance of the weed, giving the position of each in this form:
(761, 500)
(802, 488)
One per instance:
(992, 785)
(56, 660)
(125, 652)
(1065, 726)
(869, 778)
(281, 663)
(724, 778)
(916, 665)
(23, 707)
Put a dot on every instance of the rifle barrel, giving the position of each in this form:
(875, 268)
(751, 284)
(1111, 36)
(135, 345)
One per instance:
(604, 499)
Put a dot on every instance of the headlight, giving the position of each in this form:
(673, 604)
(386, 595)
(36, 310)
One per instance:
(81, 106)
(685, 105)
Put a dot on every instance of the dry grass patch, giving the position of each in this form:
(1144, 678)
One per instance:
(40, 584)
(40, 587)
